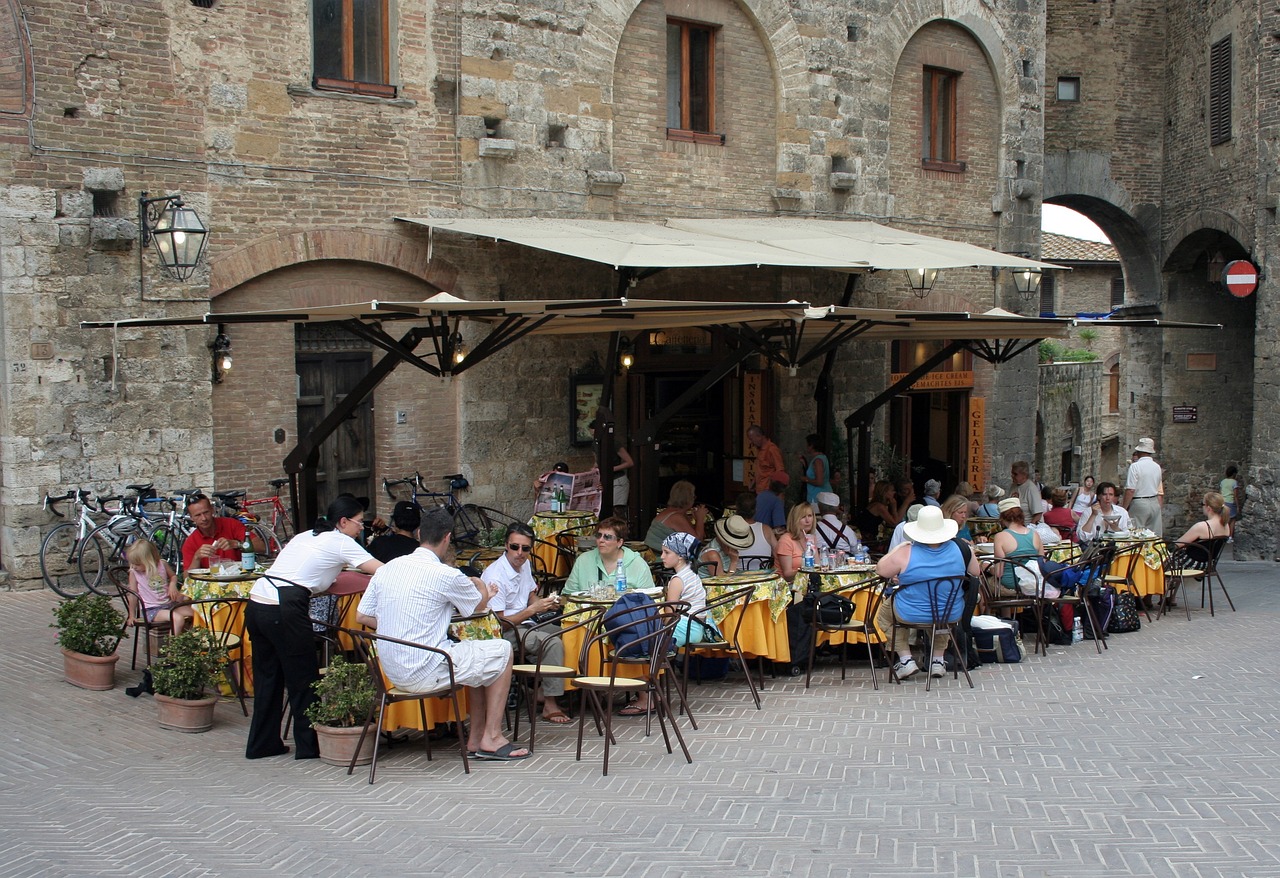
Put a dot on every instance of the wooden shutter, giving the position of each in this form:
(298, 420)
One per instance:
(1048, 287)
(1220, 91)
(1117, 291)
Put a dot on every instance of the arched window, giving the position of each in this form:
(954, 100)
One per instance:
(1113, 394)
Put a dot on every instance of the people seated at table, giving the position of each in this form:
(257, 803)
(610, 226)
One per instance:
(990, 507)
(1017, 541)
(815, 468)
(788, 555)
(152, 583)
(884, 509)
(279, 625)
(771, 508)
(1027, 491)
(833, 534)
(1082, 497)
(600, 565)
(681, 515)
(956, 508)
(517, 602)
(965, 490)
(731, 536)
(763, 538)
(1104, 516)
(1059, 517)
(900, 532)
(932, 491)
(403, 536)
(414, 598)
(214, 536)
(930, 552)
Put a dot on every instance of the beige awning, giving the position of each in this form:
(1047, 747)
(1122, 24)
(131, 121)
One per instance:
(838, 245)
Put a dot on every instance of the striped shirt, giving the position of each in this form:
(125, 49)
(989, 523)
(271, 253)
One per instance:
(413, 598)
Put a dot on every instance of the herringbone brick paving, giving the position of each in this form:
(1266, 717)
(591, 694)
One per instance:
(1159, 758)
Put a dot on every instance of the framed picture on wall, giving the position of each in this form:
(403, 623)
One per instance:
(585, 393)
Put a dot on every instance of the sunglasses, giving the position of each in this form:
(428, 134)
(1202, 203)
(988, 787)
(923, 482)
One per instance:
(607, 537)
(516, 547)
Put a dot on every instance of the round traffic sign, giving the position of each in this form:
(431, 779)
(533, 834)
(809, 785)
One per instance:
(1240, 277)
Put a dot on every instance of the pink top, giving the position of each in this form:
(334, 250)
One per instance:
(147, 593)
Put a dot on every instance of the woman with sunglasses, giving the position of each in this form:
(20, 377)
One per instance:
(517, 602)
(601, 563)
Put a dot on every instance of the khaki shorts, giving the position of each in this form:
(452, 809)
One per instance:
(477, 662)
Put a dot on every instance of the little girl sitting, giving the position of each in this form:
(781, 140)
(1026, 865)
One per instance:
(152, 582)
(679, 550)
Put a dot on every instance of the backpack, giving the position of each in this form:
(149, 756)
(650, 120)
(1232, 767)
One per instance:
(1125, 616)
(1003, 645)
(633, 606)
(834, 609)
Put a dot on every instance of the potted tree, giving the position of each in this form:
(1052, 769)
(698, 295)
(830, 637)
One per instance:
(188, 665)
(344, 696)
(89, 629)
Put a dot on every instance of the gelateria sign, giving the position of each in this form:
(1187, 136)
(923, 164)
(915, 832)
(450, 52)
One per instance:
(976, 432)
(959, 380)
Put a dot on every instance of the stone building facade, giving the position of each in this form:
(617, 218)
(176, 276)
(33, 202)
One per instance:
(1159, 126)
(555, 109)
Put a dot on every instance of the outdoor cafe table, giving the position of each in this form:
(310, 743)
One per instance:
(764, 616)
(849, 576)
(1148, 573)
(545, 527)
(201, 584)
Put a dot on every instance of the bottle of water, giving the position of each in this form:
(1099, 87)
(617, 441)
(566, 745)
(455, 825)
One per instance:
(808, 555)
(621, 582)
(1077, 631)
(248, 561)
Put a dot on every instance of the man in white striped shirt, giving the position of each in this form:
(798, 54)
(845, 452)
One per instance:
(413, 598)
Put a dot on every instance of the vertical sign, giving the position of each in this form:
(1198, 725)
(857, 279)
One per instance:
(976, 434)
(752, 405)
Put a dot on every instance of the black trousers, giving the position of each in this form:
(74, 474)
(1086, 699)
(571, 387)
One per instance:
(284, 658)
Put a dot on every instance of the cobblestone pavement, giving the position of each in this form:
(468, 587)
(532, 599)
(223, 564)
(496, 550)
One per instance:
(1160, 757)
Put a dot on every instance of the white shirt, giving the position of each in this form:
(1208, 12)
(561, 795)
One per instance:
(1096, 528)
(514, 586)
(691, 589)
(836, 535)
(413, 598)
(760, 547)
(899, 535)
(1144, 477)
(312, 560)
(1029, 497)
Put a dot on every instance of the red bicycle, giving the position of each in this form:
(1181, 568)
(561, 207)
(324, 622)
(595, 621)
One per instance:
(280, 529)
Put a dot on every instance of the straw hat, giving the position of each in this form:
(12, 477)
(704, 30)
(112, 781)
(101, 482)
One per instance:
(931, 528)
(1009, 503)
(1145, 445)
(734, 532)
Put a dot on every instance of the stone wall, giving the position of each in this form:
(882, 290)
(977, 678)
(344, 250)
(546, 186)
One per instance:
(1073, 397)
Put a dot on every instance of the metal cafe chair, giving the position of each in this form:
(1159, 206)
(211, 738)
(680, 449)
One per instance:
(946, 608)
(720, 640)
(868, 592)
(530, 666)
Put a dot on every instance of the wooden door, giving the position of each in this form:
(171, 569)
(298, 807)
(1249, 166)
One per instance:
(346, 457)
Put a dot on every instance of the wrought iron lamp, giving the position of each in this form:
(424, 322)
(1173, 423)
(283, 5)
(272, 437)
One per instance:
(921, 280)
(626, 355)
(221, 348)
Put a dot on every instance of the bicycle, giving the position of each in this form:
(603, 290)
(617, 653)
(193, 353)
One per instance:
(60, 548)
(469, 520)
(238, 505)
(107, 543)
(228, 505)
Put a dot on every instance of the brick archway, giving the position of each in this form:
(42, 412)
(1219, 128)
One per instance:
(390, 251)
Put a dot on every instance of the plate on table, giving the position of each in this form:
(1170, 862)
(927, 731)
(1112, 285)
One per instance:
(985, 549)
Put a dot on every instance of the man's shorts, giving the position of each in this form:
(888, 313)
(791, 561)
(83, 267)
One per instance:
(477, 662)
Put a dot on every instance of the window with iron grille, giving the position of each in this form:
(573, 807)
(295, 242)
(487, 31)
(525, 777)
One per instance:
(1048, 287)
(1220, 91)
(351, 42)
(938, 149)
(1117, 291)
(691, 81)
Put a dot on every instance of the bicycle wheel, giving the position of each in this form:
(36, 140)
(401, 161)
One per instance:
(102, 548)
(469, 522)
(268, 537)
(170, 545)
(59, 561)
(282, 526)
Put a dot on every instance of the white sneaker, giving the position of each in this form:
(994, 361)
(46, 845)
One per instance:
(938, 668)
(904, 668)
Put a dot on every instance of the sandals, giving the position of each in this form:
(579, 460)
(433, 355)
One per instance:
(632, 710)
(557, 719)
(505, 753)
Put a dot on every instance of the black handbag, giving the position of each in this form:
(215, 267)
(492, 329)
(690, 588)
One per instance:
(834, 609)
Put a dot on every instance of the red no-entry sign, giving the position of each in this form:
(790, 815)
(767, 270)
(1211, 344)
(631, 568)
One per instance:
(1240, 277)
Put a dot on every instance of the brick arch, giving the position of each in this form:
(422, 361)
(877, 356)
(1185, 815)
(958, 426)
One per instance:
(1202, 228)
(265, 255)
(1086, 187)
(908, 19)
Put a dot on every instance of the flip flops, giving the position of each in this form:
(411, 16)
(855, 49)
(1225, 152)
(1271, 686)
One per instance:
(557, 719)
(631, 710)
(503, 753)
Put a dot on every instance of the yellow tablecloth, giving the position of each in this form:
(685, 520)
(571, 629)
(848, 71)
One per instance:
(198, 588)
(1148, 574)
(545, 527)
(764, 617)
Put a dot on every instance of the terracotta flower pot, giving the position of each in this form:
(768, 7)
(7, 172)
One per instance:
(337, 745)
(186, 715)
(89, 671)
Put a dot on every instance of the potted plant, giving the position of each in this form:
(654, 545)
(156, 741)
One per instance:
(344, 696)
(89, 629)
(189, 664)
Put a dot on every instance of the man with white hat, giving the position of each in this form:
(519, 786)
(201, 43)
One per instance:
(834, 533)
(931, 553)
(1144, 488)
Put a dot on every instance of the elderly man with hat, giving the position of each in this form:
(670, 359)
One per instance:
(731, 537)
(1144, 488)
(833, 533)
(900, 532)
(932, 552)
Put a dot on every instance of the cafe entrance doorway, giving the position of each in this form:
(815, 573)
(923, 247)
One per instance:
(929, 424)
